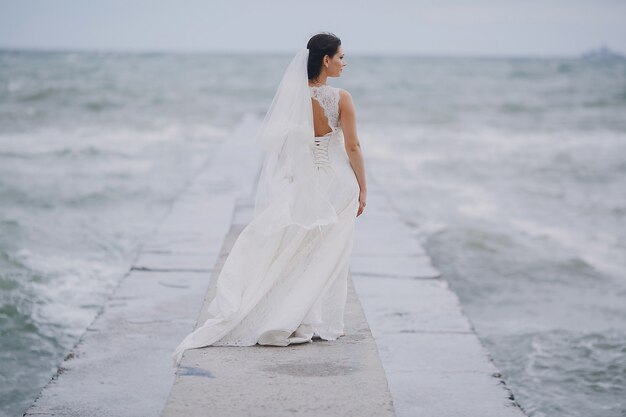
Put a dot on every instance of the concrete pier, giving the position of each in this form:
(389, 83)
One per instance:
(408, 349)
(435, 363)
(322, 377)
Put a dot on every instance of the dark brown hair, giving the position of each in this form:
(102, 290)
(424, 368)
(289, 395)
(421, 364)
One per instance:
(320, 45)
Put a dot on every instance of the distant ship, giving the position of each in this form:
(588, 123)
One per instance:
(602, 54)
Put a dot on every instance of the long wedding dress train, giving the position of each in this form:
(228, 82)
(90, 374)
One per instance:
(289, 284)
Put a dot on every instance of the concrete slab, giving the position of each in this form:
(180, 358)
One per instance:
(376, 236)
(416, 266)
(481, 395)
(412, 307)
(122, 366)
(312, 379)
(434, 362)
(175, 261)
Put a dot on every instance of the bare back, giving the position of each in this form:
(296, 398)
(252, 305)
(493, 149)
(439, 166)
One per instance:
(325, 100)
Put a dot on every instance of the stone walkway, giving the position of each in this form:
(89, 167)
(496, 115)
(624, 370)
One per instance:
(311, 379)
(423, 358)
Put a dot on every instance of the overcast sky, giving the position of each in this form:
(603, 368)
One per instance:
(441, 27)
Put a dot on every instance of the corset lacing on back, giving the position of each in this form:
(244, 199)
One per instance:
(320, 151)
(328, 98)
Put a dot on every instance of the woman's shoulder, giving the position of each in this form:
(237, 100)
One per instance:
(344, 95)
(342, 90)
(345, 98)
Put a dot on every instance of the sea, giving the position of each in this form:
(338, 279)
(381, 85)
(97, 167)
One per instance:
(511, 170)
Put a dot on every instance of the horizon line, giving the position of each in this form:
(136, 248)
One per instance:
(181, 51)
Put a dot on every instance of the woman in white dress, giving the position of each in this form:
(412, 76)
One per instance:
(285, 279)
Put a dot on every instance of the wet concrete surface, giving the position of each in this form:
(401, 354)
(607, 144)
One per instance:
(408, 351)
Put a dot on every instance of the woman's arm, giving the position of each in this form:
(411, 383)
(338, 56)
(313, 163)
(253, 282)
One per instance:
(353, 147)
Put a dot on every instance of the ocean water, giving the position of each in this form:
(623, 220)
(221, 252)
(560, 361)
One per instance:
(512, 171)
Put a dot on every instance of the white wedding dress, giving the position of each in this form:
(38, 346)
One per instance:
(289, 285)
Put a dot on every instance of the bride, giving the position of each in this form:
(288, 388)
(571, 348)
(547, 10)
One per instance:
(285, 279)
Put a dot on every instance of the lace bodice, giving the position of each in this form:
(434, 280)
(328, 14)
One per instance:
(328, 97)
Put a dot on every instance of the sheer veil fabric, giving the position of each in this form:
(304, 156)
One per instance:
(285, 278)
(288, 179)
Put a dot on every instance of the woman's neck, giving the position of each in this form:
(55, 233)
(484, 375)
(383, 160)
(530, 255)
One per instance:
(320, 81)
